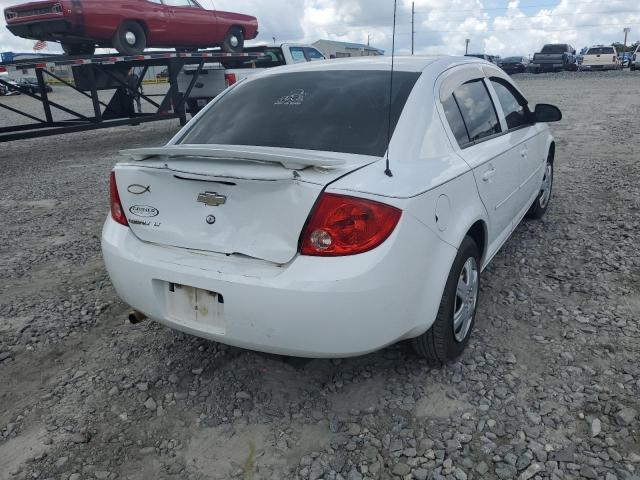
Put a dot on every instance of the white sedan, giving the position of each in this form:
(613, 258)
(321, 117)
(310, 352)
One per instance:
(299, 214)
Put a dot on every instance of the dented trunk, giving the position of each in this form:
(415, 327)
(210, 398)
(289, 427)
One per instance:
(229, 206)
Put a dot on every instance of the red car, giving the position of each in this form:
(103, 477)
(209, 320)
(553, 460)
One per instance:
(130, 26)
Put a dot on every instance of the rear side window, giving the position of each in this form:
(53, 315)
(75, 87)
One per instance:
(454, 117)
(515, 108)
(297, 53)
(478, 112)
(337, 111)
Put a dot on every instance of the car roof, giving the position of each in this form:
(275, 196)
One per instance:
(413, 63)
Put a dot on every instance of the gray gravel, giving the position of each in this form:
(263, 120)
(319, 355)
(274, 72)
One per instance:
(548, 389)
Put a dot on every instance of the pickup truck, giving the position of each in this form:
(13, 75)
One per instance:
(216, 77)
(554, 57)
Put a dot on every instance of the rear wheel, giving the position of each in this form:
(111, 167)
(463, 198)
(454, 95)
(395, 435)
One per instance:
(449, 334)
(130, 38)
(539, 207)
(234, 41)
(78, 49)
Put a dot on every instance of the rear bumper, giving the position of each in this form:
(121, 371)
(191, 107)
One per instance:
(311, 307)
(54, 29)
(610, 66)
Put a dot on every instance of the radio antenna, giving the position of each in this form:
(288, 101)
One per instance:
(388, 171)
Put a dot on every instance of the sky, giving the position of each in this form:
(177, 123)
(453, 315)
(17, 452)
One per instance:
(498, 27)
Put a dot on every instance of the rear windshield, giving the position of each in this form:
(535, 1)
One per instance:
(336, 111)
(554, 49)
(600, 51)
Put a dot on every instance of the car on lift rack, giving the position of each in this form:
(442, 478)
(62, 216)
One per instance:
(130, 26)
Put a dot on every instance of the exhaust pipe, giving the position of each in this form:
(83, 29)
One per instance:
(136, 317)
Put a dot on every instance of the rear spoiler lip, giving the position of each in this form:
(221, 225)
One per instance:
(292, 161)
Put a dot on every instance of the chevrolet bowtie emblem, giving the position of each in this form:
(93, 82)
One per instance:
(212, 199)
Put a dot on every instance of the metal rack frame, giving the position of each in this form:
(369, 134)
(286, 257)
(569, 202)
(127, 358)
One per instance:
(105, 115)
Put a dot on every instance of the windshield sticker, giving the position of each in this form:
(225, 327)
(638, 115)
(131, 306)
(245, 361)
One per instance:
(295, 97)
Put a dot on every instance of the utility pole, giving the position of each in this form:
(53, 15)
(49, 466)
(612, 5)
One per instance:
(413, 25)
(274, 40)
(466, 48)
(368, 39)
(626, 32)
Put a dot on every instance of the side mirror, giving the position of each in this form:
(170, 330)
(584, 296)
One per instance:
(545, 113)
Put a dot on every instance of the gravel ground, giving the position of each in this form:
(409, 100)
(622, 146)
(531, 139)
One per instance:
(549, 388)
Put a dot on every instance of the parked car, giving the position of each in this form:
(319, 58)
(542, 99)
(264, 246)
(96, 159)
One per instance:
(601, 57)
(216, 77)
(287, 218)
(488, 58)
(554, 57)
(625, 59)
(163, 74)
(513, 65)
(30, 85)
(13, 88)
(634, 64)
(130, 26)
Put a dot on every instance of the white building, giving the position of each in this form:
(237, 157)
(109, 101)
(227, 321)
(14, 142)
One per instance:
(333, 49)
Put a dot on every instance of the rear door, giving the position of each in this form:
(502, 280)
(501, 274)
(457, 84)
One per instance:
(190, 24)
(475, 125)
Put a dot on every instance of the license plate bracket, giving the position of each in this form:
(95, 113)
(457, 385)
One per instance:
(195, 306)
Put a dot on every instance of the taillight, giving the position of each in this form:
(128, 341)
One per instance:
(341, 225)
(615, 59)
(117, 212)
(230, 78)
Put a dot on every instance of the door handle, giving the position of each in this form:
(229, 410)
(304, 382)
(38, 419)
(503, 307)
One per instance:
(488, 175)
(524, 153)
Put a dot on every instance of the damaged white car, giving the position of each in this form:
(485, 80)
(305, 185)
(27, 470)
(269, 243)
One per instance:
(323, 210)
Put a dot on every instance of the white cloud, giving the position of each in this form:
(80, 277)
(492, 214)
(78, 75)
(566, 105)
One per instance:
(441, 25)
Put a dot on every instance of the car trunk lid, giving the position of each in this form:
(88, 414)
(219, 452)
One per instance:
(252, 201)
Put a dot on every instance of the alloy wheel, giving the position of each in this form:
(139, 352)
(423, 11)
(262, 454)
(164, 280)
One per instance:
(464, 306)
(547, 183)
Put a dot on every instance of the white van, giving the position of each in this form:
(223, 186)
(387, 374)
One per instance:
(601, 57)
(634, 63)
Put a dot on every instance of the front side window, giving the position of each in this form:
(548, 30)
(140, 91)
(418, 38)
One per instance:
(344, 111)
(477, 110)
(314, 54)
(515, 109)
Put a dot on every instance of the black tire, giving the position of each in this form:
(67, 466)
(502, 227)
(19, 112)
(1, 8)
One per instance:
(439, 344)
(130, 38)
(78, 48)
(542, 201)
(234, 41)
